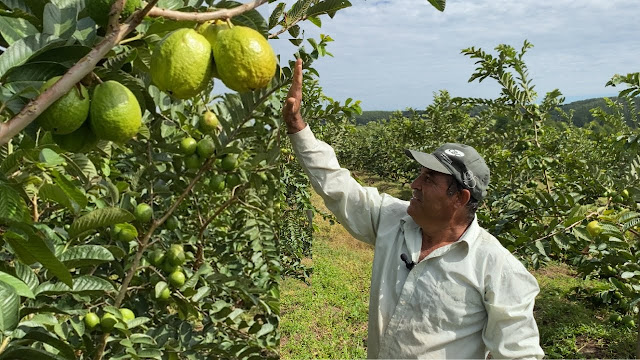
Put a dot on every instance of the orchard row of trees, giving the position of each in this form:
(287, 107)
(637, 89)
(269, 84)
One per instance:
(549, 179)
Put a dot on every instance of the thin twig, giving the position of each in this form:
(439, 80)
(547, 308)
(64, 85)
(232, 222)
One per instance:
(205, 16)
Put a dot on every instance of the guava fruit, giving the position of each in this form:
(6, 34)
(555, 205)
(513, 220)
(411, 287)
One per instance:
(143, 213)
(91, 320)
(244, 59)
(175, 255)
(81, 140)
(208, 123)
(115, 113)
(177, 278)
(181, 63)
(67, 113)
(127, 314)
(205, 148)
(188, 145)
(108, 322)
(99, 10)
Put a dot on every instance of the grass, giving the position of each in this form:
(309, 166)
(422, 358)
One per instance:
(329, 318)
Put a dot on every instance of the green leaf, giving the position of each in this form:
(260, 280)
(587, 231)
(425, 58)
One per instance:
(170, 4)
(9, 307)
(81, 166)
(317, 22)
(81, 285)
(53, 193)
(20, 51)
(59, 22)
(73, 192)
(328, 7)
(63, 55)
(85, 32)
(34, 72)
(274, 19)
(14, 29)
(28, 353)
(56, 343)
(20, 287)
(50, 157)
(12, 206)
(25, 273)
(99, 218)
(31, 247)
(85, 255)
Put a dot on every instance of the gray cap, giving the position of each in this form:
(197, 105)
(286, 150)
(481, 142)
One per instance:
(461, 161)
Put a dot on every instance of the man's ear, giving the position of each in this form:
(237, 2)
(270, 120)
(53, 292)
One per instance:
(463, 197)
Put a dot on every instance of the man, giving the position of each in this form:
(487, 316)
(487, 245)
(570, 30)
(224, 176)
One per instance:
(441, 286)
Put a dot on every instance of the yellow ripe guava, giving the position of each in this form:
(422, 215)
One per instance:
(181, 63)
(244, 59)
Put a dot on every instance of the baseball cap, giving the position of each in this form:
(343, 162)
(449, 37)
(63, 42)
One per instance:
(462, 161)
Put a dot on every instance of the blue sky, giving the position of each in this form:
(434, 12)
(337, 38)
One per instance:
(396, 54)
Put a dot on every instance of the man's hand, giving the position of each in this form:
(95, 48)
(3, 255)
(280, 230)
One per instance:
(291, 108)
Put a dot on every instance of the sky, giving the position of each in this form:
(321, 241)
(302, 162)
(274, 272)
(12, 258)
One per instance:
(392, 55)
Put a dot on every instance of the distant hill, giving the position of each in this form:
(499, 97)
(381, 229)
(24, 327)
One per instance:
(581, 112)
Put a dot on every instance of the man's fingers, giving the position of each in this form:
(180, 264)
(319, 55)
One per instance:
(290, 107)
(296, 84)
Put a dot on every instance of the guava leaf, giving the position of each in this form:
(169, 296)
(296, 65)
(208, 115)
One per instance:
(14, 29)
(20, 51)
(47, 338)
(28, 353)
(30, 247)
(82, 285)
(18, 286)
(99, 218)
(34, 72)
(78, 198)
(438, 4)
(59, 22)
(25, 273)
(9, 307)
(327, 7)
(81, 166)
(85, 255)
(12, 206)
(276, 14)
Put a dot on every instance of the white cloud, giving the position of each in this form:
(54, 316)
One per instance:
(396, 54)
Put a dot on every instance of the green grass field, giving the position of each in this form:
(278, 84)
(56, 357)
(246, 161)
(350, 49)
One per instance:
(329, 318)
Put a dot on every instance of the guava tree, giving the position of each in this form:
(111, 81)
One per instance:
(148, 229)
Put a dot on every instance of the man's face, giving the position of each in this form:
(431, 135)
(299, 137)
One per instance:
(430, 204)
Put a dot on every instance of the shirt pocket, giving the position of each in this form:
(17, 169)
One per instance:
(452, 304)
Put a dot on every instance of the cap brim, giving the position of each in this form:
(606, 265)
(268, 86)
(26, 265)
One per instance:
(427, 160)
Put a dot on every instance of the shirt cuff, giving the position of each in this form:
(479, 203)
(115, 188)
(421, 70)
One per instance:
(304, 139)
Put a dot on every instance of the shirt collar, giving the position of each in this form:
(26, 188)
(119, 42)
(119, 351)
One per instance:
(469, 236)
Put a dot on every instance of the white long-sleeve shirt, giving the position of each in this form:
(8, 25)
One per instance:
(463, 300)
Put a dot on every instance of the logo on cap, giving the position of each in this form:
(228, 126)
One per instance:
(469, 179)
(454, 152)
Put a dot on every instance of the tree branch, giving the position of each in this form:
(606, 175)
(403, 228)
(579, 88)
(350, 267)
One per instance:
(205, 16)
(77, 72)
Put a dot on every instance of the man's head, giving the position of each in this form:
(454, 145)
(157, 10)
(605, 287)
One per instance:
(454, 176)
